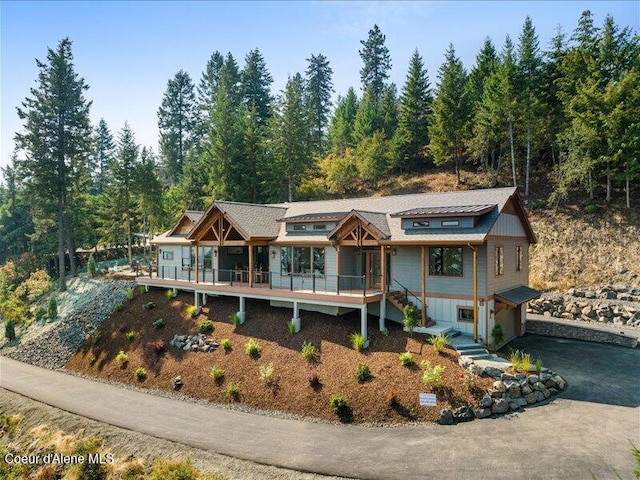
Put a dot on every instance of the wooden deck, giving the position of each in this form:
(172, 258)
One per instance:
(262, 291)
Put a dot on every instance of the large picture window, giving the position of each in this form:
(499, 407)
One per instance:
(499, 261)
(204, 258)
(188, 257)
(445, 261)
(302, 261)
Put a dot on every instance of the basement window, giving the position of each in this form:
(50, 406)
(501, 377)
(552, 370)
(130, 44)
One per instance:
(465, 314)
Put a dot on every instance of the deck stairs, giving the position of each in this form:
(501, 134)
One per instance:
(398, 299)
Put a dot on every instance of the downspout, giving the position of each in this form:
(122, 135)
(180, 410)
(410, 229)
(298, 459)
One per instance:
(475, 292)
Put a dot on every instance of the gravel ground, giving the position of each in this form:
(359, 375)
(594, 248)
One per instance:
(126, 444)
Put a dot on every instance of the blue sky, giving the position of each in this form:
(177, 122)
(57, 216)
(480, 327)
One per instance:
(126, 51)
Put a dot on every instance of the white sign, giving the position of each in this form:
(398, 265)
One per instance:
(427, 399)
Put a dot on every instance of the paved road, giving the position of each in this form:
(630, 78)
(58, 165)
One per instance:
(584, 432)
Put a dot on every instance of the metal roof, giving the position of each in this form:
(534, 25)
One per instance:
(460, 211)
(315, 217)
(517, 295)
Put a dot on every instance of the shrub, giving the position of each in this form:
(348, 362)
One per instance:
(313, 379)
(158, 324)
(52, 308)
(159, 346)
(497, 335)
(538, 366)
(91, 266)
(38, 283)
(520, 361)
(140, 374)
(170, 294)
(217, 374)
(164, 469)
(363, 373)
(88, 470)
(438, 342)
(148, 306)
(235, 319)
(410, 317)
(392, 397)
(192, 310)
(130, 335)
(337, 403)
(525, 363)
(291, 328)
(406, 359)
(142, 289)
(252, 348)
(117, 307)
(40, 315)
(233, 391)
(130, 293)
(357, 341)
(96, 335)
(266, 372)
(122, 328)
(432, 375)
(591, 209)
(309, 351)
(226, 344)
(9, 331)
(206, 326)
(122, 358)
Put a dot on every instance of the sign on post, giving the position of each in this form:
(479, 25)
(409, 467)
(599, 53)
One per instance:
(427, 399)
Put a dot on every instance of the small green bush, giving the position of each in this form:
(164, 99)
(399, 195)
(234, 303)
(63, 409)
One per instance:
(337, 403)
(357, 341)
(170, 294)
(521, 361)
(158, 324)
(217, 374)
(130, 335)
(164, 469)
(226, 344)
(130, 293)
(438, 342)
(538, 366)
(191, 310)
(122, 358)
(266, 372)
(40, 315)
(142, 289)
(235, 319)
(252, 348)
(291, 328)
(205, 326)
(591, 209)
(410, 317)
(91, 266)
(363, 373)
(432, 375)
(406, 359)
(309, 351)
(233, 391)
(140, 374)
(497, 335)
(9, 331)
(148, 306)
(118, 306)
(52, 308)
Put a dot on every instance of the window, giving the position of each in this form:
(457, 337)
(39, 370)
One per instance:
(167, 255)
(518, 258)
(465, 314)
(445, 261)
(421, 224)
(299, 227)
(300, 260)
(188, 257)
(499, 261)
(450, 223)
(319, 226)
(204, 258)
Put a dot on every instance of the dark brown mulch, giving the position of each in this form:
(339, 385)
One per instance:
(290, 390)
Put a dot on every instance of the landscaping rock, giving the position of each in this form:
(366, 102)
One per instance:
(538, 386)
(492, 372)
(482, 412)
(486, 401)
(515, 391)
(533, 379)
(500, 405)
(531, 398)
(499, 386)
(446, 417)
(464, 414)
(539, 396)
(526, 390)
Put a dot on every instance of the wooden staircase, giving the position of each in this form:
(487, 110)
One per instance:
(399, 300)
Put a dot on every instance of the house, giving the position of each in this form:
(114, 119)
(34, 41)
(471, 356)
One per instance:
(460, 257)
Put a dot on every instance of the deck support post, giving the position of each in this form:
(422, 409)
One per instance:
(175, 291)
(363, 325)
(241, 312)
(204, 299)
(196, 299)
(296, 317)
(383, 312)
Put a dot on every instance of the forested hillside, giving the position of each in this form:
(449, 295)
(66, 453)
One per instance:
(561, 120)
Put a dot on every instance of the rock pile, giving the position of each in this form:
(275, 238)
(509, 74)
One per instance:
(619, 305)
(194, 343)
(56, 344)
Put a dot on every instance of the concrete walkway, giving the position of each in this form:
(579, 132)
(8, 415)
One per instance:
(564, 439)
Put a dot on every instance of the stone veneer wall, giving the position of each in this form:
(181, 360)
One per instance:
(550, 328)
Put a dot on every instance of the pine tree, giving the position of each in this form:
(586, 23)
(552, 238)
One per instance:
(256, 84)
(177, 121)
(389, 111)
(319, 90)
(450, 113)
(148, 189)
(56, 140)
(376, 63)
(102, 155)
(415, 108)
(206, 94)
(367, 119)
(342, 125)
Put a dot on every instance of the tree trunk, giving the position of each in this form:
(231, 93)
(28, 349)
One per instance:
(290, 188)
(627, 186)
(71, 246)
(590, 186)
(513, 155)
(456, 164)
(128, 222)
(62, 284)
(527, 168)
(608, 199)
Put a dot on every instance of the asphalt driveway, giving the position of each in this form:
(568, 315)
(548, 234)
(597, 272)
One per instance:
(584, 433)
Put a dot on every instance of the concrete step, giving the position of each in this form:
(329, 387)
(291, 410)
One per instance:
(472, 351)
(479, 356)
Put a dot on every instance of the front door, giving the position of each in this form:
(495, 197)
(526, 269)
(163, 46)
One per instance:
(374, 270)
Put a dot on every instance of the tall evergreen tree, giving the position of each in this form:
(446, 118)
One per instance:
(342, 125)
(319, 90)
(148, 189)
(56, 140)
(415, 109)
(102, 154)
(389, 111)
(177, 121)
(367, 119)
(376, 63)
(256, 85)
(450, 113)
(206, 93)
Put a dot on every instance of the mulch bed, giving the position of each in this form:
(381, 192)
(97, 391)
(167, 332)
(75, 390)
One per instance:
(290, 390)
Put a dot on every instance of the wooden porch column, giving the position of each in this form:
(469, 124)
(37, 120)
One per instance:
(338, 260)
(197, 262)
(250, 247)
(423, 286)
(475, 293)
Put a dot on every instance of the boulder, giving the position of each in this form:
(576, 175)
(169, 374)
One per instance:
(499, 386)
(533, 379)
(514, 391)
(522, 402)
(559, 382)
(464, 414)
(513, 406)
(486, 401)
(539, 396)
(546, 393)
(446, 417)
(567, 316)
(500, 405)
(531, 398)
(578, 293)
(492, 372)
(506, 377)
(482, 412)
(538, 386)
(553, 391)
(526, 390)
(589, 295)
